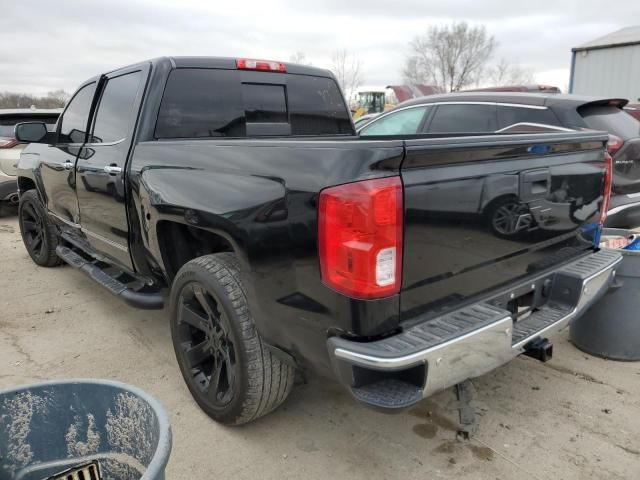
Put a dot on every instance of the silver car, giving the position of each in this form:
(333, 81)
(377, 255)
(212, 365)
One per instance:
(10, 149)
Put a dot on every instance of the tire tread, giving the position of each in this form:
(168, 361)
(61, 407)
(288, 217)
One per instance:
(269, 380)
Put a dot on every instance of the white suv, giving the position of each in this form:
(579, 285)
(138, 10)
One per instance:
(10, 149)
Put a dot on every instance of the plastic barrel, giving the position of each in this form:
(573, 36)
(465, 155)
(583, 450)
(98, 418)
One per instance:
(611, 327)
(47, 428)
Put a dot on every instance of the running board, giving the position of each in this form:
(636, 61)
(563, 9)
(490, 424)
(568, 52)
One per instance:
(144, 300)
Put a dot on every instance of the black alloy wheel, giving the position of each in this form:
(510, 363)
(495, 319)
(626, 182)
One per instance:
(32, 230)
(207, 347)
(39, 234)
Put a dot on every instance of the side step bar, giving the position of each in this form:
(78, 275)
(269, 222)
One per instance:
(144, 300)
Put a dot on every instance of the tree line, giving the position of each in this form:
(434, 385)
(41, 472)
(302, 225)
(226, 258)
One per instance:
(54, 99)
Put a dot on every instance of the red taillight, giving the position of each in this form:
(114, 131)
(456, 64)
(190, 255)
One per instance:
(360, 237)
(266, 65)
(8, 142)
(608, 180)
(614, 144)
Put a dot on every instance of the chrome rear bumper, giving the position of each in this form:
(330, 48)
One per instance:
(429, 357)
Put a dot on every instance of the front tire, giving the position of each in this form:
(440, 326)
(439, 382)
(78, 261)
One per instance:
(229, 371)
(38, 231)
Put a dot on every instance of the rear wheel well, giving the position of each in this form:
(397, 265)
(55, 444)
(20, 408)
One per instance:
(180, 243)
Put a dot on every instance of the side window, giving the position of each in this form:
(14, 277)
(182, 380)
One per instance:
(74, 121)
(402, 122)
(116, 108)
(508, 116)
(464, 118)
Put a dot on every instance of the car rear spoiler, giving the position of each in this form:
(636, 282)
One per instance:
(605, 102)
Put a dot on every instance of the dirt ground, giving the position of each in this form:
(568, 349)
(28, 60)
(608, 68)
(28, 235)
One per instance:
(576, 417)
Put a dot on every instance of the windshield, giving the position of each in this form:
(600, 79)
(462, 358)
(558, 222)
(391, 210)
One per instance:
(612, 120)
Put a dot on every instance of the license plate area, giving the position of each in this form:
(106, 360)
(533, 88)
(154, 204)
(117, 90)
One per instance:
(525, 299)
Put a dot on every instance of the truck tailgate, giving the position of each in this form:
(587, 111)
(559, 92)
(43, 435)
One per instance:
(483, 211)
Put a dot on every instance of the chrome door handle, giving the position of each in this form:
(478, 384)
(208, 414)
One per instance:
(112, 169)
(67, 165)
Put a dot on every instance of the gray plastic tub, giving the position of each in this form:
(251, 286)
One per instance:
(611, 327)
(49, 427)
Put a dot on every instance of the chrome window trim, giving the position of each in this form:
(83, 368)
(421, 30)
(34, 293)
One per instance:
(533, 124)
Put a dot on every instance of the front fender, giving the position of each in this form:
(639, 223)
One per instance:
(29, 167)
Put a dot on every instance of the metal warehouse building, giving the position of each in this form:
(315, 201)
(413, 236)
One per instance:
(608, 66)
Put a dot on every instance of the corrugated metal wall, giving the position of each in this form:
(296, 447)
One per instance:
(610, 72)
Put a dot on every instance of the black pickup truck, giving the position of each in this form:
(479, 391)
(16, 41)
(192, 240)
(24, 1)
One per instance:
(236, 192)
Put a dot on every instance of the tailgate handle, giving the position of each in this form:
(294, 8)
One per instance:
(536, 176)
(535, 183)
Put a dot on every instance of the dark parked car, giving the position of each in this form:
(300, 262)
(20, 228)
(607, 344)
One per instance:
(483, 113)
(364, 119)
(518, 88)
(287, 242)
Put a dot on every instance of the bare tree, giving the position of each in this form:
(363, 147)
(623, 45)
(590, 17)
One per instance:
(58, 98)
(449, 56)
(300, 58)
(347, 68)
(505, 73)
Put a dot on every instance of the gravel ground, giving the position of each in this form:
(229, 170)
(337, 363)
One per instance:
(575, 417)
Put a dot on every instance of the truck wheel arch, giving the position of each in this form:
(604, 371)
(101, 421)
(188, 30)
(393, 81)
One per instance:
(180, 243)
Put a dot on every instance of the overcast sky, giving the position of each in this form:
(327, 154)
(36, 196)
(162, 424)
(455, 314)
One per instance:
(49, 44)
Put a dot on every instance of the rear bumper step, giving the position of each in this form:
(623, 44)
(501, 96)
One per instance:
(145, 300)
(426, 358)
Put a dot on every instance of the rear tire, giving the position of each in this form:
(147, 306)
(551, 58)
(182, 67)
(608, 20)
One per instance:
(229, 371)
(38, 231)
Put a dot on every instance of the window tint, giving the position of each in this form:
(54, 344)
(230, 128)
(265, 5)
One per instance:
(612, 120)
(464, 118)
(402, 122)
(116, 108)
(223, 103)
(76, 116)
(508, 116)
(264, 103)
(201, 103)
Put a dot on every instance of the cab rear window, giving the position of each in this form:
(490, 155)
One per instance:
(226, 103)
